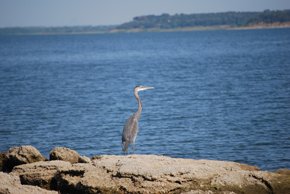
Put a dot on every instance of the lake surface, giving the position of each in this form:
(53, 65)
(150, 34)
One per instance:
(222, 95)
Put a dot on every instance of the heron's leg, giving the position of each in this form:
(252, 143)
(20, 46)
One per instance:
(133, 147)
(125, 146)
(125, 151)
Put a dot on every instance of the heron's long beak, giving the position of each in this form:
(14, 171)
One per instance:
(146, 88)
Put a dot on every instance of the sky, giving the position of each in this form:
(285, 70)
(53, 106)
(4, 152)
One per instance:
(111, 12)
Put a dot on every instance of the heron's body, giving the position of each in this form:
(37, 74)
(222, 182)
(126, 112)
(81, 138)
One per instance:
(130, 129)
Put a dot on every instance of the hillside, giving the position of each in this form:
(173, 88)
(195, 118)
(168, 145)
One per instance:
(231, 19)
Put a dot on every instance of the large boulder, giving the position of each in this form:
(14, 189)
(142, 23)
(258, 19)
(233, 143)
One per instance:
(10, 184)
(159, 174)
(21, 155)
(66, 154)
(152, 174)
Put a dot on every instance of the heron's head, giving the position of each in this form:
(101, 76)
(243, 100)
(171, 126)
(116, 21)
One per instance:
(141, 88)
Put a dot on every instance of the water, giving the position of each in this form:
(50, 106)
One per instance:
(222, 95)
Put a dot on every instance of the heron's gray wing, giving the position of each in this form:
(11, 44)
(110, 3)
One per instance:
(130, 129)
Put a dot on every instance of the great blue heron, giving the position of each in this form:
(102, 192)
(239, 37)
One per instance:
(130, 129)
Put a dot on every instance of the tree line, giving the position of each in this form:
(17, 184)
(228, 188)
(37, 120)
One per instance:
(233, 19)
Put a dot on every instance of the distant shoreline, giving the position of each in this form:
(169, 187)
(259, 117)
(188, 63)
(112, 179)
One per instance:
(206, 28)
(137, 30)
(186, 29)
(264, 26)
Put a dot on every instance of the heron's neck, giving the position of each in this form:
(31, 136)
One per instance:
(138, 113)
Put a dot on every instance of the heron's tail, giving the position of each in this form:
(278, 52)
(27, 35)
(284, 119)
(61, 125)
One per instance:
(125, 146)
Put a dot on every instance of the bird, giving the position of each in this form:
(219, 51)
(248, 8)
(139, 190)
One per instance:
(130, 129)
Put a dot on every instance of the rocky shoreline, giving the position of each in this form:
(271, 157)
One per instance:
(25, 170)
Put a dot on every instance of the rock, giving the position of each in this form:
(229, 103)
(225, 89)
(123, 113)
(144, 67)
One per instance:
(65, 154)
(164, 174)
(283, 171)
(207, 192)
(21, 155)
(152, 174)
(40, 173)
(85, 178)
(10, 184)
(2, 160)
(84, 159)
